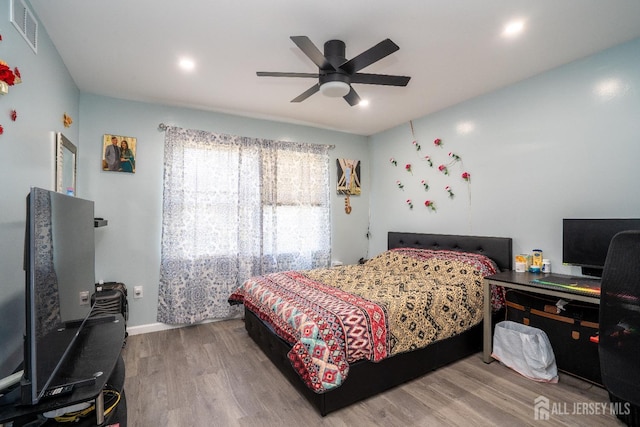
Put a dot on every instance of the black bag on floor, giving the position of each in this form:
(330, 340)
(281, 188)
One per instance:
(572, 329)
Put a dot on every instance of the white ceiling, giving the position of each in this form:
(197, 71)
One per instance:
(452, 49)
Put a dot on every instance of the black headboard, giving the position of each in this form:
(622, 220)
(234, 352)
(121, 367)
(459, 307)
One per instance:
(497, 248)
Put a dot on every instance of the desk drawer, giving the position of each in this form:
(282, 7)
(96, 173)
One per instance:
(569, 330)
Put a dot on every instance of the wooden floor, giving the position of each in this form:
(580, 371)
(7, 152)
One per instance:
(214, 375)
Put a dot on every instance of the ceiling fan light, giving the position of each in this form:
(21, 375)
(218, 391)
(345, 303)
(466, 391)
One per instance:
(335, 89)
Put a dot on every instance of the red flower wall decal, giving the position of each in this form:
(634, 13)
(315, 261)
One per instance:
(18, 75)
(450, 191)
(6, 74)
(431, 205)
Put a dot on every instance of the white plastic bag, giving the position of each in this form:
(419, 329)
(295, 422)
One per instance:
(526, 350)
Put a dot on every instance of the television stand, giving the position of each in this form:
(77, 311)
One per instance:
(97, 350)
(90, 321)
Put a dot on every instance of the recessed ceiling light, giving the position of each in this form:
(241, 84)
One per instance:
(465, 127)
(608, 89)
(187, 64)
(513, 28)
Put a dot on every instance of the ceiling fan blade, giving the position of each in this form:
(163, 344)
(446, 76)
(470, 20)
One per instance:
(278, 74)
(352, 98)
(380, 79)
(368, 57)
(313, 89)
(309, 49)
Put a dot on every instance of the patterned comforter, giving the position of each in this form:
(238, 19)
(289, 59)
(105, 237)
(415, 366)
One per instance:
(401, 300)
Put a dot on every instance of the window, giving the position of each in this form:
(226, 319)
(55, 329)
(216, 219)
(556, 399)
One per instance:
(236, 207)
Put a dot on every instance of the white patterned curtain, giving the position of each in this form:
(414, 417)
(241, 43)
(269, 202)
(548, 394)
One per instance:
(236, 207)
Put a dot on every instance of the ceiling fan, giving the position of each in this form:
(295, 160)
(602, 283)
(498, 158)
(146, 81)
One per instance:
(336, 73)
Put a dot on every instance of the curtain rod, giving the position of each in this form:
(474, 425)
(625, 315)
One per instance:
(164, 127)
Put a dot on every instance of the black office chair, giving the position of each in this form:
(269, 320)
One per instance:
(619, 332)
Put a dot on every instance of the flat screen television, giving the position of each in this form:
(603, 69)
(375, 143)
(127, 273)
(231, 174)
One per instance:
(59, 264)
(585, 242)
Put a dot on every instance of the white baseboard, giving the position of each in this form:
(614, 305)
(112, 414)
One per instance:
(151, 327)
(156, 327)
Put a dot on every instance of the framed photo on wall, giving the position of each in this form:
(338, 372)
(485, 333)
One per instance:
(119, 153)
(348, 176)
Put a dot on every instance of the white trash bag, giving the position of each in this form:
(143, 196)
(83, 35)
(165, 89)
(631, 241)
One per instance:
(526, 350)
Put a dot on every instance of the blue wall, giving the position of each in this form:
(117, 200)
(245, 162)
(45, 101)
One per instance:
(27, 147)
(558, 145)
(563, 144)
(128, 249)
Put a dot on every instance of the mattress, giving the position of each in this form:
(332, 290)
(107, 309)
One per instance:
(399, 301)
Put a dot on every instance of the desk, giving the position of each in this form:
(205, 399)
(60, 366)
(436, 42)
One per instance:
(521, 281)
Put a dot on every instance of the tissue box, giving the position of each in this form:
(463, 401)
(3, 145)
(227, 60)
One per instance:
(523, 262)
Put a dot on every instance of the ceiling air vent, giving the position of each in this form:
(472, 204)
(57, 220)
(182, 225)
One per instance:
(25, 22)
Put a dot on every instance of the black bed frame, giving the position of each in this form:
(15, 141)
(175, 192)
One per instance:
(367, 378)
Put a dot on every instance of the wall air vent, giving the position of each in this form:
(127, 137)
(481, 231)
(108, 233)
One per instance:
(25, 22)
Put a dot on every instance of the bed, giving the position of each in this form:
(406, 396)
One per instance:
(342, 381)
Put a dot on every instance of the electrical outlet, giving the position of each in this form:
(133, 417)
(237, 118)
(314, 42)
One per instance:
(84, 297)
(137, 291)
